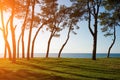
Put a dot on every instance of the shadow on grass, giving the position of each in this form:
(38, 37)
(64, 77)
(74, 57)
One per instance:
(98, 70)
(54, 77)
(23, 74)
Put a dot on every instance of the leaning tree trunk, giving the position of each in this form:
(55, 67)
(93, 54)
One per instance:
(3, 30)
(112, 43)
(23, 29)
(30, 32)
(48, 47)
(68, 36)
(33, 42)
(18, 44)
(5, 34)
(49, 41)
(7, 48)
(13, 33)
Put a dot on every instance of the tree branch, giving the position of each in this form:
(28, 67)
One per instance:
(118, 24)
(7, 25)
(1, 29)
(15, 27)
(89, 21)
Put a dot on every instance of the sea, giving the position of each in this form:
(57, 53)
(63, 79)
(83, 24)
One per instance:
(75, 55)
(79, 55)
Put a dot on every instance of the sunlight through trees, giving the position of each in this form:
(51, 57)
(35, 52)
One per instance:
(54, 18)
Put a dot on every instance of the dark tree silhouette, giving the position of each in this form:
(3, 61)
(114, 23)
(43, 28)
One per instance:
(33, 42)
(93, 7)
(23, 27)
(114, 39)
(25, 16)
(72, 15)
(50, 12)
(30, 32)
(68, 36)
(39, 25)
(110, 19)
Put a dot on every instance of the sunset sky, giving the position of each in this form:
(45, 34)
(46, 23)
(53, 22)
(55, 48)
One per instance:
(80, 43)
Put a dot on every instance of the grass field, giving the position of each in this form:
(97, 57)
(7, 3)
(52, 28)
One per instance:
(60, 69)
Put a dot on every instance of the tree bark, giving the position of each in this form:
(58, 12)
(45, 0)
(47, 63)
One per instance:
(94, 12)
(18, 44)
(30, 32)
(68, 36)
(13, 33)
(23, 28)
(94, 46)
(95, 15)
(114, 35)
(7, 48)
(5, 34)
(33, 42)
(5, 52)
(48, 47)
(95, 39)
(23, 47)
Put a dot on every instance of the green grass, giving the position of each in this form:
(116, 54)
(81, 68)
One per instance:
(60, 69)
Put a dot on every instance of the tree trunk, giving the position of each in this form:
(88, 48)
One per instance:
(9, 50)
(3, 30)
(112, 43)
(23, 28)
(30, 32)
(13, 42)
(23, 47)
(94, 11)
(5, 34)
(68, 36)
(18, 46)
(94, 47)
(48, 47)
(5, 52)
(13, 33)
(33, 42)
(95, 39)
(7, 47)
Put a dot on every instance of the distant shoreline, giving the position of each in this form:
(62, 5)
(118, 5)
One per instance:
(74, 55)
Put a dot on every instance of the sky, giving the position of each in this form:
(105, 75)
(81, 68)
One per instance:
(83, 41)
(80, 43)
